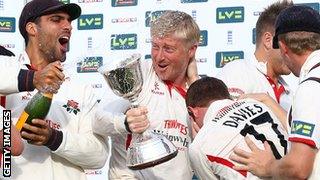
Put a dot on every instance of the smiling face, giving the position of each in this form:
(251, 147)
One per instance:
(52, 36)
(170, 57)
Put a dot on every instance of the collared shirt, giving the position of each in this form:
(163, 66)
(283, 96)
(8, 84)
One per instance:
(226, 123)
(168, 116)
(305, 126)
(71, 112)
(243, 76)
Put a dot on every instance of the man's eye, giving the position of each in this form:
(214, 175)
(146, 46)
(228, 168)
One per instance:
(155, 46)
(55, 19)
(169, 50)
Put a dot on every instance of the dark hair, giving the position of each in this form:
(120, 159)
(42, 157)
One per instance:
(267, 18)
(205, 90)
(37, 8)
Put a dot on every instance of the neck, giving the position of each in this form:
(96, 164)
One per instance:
(180, 83)
(36, 59)
(272, 74)
(260, 55)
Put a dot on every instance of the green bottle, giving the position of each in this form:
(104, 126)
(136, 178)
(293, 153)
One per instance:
(37, 108)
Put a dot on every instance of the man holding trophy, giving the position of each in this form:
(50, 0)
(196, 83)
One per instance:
(161, 109)
(61, 145)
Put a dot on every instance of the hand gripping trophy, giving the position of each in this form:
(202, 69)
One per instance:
(147, 149)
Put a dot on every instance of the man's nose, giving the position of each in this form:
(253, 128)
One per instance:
(67, 25)
(160, 55)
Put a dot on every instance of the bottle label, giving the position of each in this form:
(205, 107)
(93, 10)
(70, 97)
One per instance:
(48, 95)
(23, 118)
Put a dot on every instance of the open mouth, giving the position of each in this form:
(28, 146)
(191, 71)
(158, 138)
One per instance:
(162, 66)
(64, 40)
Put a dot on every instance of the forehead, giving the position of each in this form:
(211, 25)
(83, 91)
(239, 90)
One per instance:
(57, 13)
(170, 40)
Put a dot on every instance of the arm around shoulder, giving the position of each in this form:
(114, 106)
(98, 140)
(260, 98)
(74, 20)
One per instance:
(297, 164)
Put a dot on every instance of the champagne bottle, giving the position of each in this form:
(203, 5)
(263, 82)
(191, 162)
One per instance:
(37, 108)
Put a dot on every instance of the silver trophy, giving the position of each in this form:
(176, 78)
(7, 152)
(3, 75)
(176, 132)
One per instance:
(147, 149)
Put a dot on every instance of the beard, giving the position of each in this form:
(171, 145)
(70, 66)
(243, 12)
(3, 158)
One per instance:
(48, 47)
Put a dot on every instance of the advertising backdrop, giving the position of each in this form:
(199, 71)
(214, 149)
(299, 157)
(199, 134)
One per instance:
(110, 30)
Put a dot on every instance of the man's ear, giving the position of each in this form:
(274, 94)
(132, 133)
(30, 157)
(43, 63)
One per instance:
(192, 51)
(284, 48)
(267, 40)
(191, 111)
(31, 28)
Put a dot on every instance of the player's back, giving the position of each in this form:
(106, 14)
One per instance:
(226, 123)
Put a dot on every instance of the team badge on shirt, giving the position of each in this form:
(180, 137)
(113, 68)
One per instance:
(302, 128)
(72, 107)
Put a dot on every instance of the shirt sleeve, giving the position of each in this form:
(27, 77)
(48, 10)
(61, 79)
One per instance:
(198, 160)
(233, 75)
(17, 78)
(200, 164)
(84, 148)
(110, 117)
(10, 69)
(305, 126)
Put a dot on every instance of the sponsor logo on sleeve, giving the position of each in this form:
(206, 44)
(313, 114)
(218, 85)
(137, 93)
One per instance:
(90, 21)
(302, 128)
(230, 14)
(7, 24)
(222, 58)
(117, 3)
(123, 41)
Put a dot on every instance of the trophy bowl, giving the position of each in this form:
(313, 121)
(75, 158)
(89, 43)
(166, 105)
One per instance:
(147, 149)
(150, 151)
(125, 80)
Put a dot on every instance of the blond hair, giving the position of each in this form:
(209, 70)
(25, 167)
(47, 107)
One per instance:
(299, 42)
(178, 24)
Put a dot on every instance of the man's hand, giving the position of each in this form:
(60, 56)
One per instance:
(262, 97)
(192, 71)
(137, 119)
(195, 129)
(38, 133)
(50, 78)
(258, 162)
